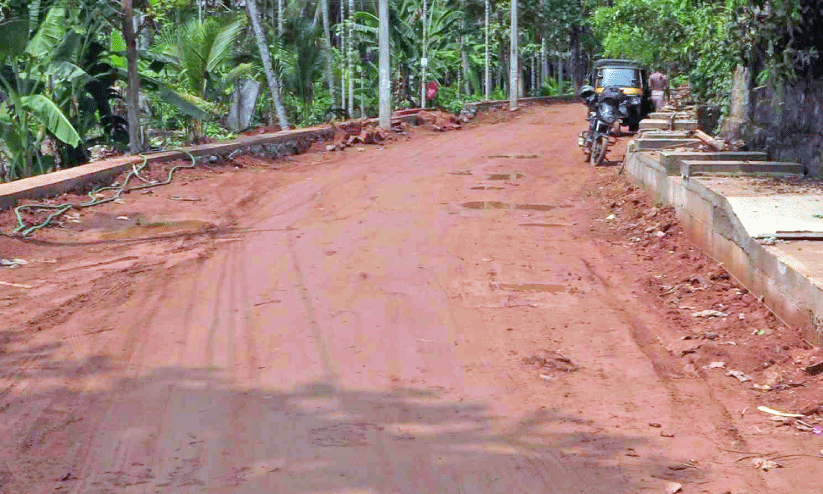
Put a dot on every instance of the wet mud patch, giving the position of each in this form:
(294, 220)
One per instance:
(505, 176)
(461, 172)
(533, 287)
(513, 156)
(141, 229)
(504, 205)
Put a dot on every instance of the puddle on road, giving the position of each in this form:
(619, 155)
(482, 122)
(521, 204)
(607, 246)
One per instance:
(536, 207)
(544, 225)
(505, 205)
(487, 188)
(505, 176)
(155, 228)
(513, 156)
(533, 287)
(486, 205)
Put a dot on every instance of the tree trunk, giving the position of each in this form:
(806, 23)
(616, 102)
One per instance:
(488, 74)
(343, 45)
(385, 81)
(279, 18)
(133, 96)
(467, 82)
(350, 59)
(514, 85)
(577, 74)
(544, 61)
(265, 57)
(425, 20)
(327, 55)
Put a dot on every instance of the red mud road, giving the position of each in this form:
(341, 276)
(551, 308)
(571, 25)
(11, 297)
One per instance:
(450, 314)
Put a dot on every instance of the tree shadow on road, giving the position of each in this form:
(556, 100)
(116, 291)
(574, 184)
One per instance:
(194, 430)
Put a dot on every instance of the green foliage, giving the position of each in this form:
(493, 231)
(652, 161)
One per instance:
(551, 87)
(686, 36)
(706, 39)
(197, 54)
(303, 63)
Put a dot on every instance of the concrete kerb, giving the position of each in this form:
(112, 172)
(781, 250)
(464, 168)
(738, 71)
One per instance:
(85, 177)
(709, 220)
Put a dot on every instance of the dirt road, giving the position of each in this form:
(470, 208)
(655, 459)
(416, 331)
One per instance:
(443, 315)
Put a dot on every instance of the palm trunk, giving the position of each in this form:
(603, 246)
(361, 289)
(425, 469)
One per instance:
(425, 56)
(133, 97)
(327, 47)
(349, 59)
(514, 85)
(488, 74)
(384, 79)
(342, 55)
(265, 56)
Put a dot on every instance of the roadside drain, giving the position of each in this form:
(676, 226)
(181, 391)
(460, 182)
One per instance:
(505, 205)
(533, 287)
(505, 176)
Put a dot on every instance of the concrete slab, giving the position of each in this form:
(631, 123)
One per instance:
(671, 159)
(690, 168)
(765, 216)
(666, 124)
(650, 143)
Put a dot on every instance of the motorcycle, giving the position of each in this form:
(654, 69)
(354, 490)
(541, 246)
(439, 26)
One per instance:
(605, 110)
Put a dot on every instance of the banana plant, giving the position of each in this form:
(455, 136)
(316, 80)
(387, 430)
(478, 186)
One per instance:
(28, 110)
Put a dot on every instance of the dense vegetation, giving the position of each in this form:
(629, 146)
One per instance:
(65, 76)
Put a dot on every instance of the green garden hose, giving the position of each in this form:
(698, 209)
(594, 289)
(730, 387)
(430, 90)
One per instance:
(59, 209)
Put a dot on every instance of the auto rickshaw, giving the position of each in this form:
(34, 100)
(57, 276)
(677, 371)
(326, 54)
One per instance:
(633, 80)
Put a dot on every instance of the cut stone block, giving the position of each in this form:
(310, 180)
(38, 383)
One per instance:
(664, 124)
(670, 160)
(691, 168)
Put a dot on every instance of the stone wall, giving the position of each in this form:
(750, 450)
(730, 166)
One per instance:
(787, 124)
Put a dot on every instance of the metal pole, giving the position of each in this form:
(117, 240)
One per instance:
(384, 82)
(488, 57)
(513, 59)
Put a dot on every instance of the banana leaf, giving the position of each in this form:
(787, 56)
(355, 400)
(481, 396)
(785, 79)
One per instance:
(50, 115)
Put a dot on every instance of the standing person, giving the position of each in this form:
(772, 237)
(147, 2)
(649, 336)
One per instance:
(659, 84)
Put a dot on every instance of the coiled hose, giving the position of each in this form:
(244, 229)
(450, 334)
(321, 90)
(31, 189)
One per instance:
(25, 229)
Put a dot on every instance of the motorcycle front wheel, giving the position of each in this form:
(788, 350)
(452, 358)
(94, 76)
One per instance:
(598, 151)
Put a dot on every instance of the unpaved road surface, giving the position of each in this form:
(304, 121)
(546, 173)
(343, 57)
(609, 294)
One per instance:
(447, 314)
